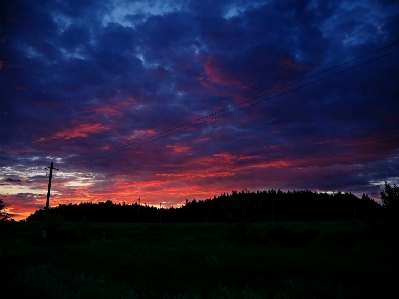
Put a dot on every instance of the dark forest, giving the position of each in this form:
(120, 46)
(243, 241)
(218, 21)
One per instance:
(244, 206)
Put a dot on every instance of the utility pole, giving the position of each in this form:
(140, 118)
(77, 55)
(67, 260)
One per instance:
(160, 209)
(138, 212)
(48, 194)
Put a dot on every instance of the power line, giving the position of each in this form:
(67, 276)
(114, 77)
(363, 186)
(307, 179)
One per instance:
(227, 111)
(208, 119)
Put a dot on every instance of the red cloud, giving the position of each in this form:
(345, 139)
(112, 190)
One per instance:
(178, 148)
(5, 64)
(117, 108)
(380, 141)
(287, 63)
(215, 73)
(288, 67)
(82, 130)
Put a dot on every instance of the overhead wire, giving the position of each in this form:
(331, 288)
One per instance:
(227, 111)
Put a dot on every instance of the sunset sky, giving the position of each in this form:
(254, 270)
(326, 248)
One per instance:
(158, 99)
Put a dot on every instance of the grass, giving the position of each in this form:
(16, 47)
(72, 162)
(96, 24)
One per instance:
(279, 260)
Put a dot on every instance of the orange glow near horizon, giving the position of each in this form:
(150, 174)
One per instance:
(169, 195)
(197, 178)
(194, 181)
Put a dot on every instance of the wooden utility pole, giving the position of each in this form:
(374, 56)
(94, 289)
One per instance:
(138, 212)
(48, 194)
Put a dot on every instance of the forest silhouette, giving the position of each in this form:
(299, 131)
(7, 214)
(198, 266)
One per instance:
(241, 206)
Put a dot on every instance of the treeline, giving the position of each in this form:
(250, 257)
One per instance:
(244, 206)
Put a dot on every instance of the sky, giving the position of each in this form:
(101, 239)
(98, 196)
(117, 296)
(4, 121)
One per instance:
(173, 100)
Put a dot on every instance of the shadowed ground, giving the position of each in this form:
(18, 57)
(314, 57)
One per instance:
(274, 260)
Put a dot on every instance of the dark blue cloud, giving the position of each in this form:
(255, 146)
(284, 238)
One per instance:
(11, 180)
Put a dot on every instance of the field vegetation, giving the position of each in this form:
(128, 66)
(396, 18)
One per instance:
(337, 259)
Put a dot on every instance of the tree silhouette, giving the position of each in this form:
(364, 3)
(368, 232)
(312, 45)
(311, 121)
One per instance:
(4, 215)
(237, 208)
(390, 200)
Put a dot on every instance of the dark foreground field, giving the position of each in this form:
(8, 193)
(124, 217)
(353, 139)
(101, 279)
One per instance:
(279, 260)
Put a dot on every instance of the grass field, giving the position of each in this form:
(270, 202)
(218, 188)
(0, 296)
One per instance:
(275, 260)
